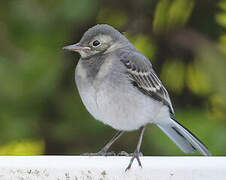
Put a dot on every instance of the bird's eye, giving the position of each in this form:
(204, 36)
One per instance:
(96, 43)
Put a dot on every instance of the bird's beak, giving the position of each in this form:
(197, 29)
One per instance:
(76, 47)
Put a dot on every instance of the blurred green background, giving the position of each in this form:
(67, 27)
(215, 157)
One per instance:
(40, 109)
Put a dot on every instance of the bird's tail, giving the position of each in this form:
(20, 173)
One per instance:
(183, 138)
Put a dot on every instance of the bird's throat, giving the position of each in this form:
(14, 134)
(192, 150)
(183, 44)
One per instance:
(92, 66)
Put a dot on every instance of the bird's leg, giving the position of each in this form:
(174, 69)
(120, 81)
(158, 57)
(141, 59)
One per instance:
(108, 145)
(103, 151)
(136, 153)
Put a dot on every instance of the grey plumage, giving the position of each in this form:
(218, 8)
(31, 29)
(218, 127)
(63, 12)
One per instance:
(119, 87)
(144, 77)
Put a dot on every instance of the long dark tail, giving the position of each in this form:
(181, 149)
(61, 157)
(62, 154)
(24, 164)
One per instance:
(183, 138)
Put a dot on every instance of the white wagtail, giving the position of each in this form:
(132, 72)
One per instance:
(119, 87)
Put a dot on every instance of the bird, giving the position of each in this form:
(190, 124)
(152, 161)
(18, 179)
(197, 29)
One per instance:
(119, 87)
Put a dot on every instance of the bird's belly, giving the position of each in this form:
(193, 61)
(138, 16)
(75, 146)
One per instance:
(124, 107)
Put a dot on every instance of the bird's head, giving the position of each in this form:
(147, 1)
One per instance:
(98, 39)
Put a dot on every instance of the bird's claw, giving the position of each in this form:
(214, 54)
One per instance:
(136, 155)
(124, 153)
(100, 153)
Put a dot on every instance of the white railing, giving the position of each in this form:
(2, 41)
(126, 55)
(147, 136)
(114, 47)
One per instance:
(111, 168)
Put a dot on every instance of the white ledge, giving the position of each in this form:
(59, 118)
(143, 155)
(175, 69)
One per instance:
(111, 168)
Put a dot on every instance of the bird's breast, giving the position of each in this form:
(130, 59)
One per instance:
(87, 90)
(89, 79)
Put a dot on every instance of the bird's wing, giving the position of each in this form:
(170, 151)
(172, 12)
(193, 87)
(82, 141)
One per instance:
(144, 78)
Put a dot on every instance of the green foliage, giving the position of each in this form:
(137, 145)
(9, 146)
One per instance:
(40, 109)
(174, 81)
(112, 17)
(170, 15)
(143, 43)
(24, 147)
(197, 80)
(221, 15)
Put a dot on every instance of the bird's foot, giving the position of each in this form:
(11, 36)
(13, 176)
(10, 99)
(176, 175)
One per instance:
(136, 155)
(124, 153)
(100, 153)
